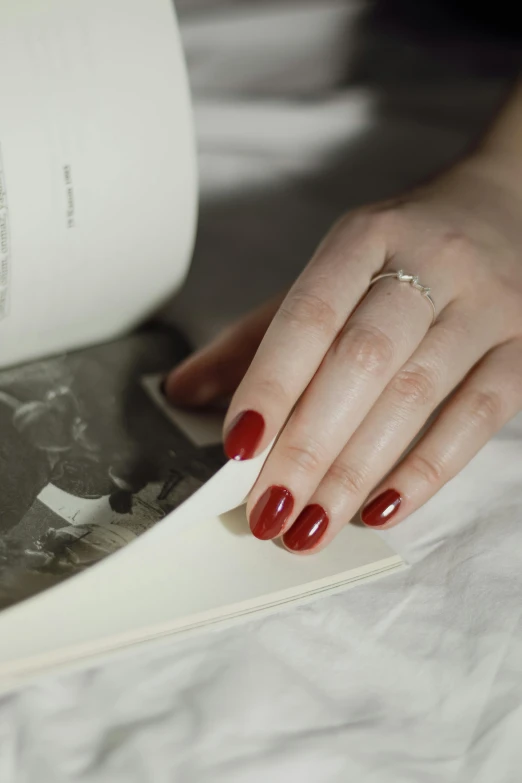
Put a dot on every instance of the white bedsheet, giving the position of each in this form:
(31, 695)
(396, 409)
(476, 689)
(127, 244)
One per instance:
(417, 677)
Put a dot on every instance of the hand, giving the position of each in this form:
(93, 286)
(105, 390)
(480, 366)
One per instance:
(350, 373)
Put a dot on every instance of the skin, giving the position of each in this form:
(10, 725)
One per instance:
(351, 374)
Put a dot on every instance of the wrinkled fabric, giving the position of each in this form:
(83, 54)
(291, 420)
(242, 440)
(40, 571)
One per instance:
(303, 110)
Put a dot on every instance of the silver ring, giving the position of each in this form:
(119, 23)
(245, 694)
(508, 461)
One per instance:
(413, 280)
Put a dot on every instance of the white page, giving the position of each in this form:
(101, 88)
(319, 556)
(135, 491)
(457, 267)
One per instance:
(72, 606)
(190, 569)
(97, 170)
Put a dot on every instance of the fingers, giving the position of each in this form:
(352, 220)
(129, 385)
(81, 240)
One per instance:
(378, 339)
(216, 371)
(301, 333)
(446, 355)
(489, 397)
(362, 360)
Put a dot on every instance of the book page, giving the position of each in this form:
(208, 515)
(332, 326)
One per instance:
(97, 170)
(186, 573)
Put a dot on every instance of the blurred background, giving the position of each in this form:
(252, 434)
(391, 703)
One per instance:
(307, 108)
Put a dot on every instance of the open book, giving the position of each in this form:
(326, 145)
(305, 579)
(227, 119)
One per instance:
(119, 519)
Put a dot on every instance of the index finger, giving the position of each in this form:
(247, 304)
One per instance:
(303, 329)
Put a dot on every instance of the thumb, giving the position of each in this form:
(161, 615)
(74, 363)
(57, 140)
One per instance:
(217, 369)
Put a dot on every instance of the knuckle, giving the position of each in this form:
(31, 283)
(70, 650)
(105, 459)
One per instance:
(306, 457)
(460, 245)
(458, 248)
(483, 408)
(271, 390)
(414, 386)
(429, 469)
(366, 347)
(363, 224)
(309, 310)
(352, 479)
(386, 219)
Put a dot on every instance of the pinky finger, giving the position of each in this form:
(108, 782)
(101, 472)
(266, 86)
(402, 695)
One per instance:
(490, 396)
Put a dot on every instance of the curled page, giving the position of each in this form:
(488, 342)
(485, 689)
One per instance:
(92, 457)
(97, 170)
(124, 593)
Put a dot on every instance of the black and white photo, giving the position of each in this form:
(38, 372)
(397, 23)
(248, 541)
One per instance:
(88, 461)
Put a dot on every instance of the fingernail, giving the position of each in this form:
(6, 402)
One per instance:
(270, 513)
(381, 509)
(244, 435)
(308, 529)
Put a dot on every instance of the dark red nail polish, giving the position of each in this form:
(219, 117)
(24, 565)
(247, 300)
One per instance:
(244, 435)
(381, 509)
(308, 529)
(270, 513)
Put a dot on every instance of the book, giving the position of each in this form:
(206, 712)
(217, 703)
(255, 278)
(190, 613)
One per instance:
(120, 519)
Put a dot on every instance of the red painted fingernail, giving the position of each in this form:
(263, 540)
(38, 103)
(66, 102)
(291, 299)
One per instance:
(381, 509)
(244, 435)
(270, 513)
(308, 529)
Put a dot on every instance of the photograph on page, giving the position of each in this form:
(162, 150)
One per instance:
(91, 457)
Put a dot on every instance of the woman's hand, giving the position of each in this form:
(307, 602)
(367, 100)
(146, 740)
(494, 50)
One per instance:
(350, 373)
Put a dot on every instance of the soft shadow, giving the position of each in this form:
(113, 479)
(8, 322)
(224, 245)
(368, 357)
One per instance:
(236, 522)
